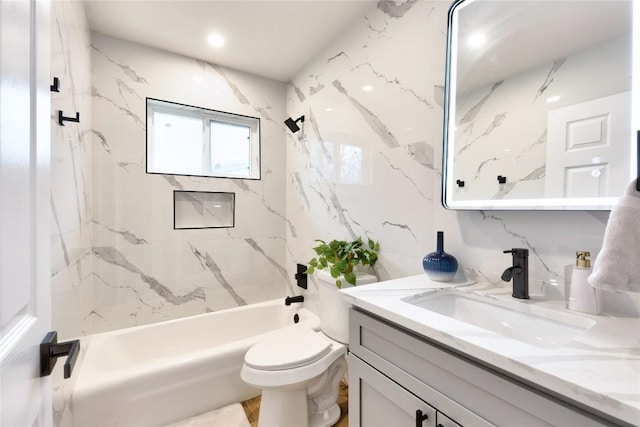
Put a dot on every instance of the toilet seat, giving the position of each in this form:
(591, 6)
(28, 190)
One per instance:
(292, 348)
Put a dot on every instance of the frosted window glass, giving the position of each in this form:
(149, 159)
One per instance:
(230, 149)
(178, 143)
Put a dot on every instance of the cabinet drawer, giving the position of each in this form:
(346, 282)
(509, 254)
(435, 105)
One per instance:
(461, 388)
(376, 401)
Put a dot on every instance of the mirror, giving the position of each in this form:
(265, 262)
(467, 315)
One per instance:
(538, 105)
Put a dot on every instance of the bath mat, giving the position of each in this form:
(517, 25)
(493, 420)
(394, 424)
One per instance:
(228, 416)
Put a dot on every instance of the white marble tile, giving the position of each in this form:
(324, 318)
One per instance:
(145, 270)
(402, 57)
(71, 172)
(394, 203)
(72, 299)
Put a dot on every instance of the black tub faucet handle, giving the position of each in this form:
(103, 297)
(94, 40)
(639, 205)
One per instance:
(290, 300)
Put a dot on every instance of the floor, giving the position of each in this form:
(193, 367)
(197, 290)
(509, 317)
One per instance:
(252, 407)
(245, 414)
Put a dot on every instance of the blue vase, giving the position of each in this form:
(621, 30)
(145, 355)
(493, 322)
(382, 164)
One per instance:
(439, 265)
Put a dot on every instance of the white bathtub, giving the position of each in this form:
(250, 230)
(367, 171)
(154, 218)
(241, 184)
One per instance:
(165, 372)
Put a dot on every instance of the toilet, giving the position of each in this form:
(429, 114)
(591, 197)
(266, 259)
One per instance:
(299, 372)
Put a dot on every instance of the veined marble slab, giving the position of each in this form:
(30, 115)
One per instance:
(599, 368)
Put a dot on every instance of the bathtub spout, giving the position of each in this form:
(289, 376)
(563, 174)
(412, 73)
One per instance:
(289, 300)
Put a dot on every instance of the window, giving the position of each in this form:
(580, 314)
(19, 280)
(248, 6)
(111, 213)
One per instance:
(186, 140)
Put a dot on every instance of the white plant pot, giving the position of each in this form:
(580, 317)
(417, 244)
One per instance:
(334, 310)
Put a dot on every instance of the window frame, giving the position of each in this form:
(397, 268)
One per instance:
(207, 115)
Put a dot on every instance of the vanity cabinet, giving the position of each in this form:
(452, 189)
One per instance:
(393, 373)
(384, 403)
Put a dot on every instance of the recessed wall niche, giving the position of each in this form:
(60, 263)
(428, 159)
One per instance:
(203, 209)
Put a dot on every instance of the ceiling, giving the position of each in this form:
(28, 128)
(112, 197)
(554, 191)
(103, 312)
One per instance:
(274, 39)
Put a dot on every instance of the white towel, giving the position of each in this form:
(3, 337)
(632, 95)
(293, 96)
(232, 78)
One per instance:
(617, 267)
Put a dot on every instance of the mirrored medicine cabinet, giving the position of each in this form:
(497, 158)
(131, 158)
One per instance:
(538, 105)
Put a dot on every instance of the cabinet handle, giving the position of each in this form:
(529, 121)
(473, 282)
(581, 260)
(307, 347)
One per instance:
(420, 417)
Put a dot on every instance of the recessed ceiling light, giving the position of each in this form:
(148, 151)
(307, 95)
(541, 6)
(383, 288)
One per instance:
(328, 109)
(197, 78)
(367, 88)
(476, 39)
(553, 99)
(215, 40)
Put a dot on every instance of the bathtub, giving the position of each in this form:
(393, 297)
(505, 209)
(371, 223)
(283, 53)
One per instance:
(166, 372)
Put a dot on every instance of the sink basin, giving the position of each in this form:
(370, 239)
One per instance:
(518, 320)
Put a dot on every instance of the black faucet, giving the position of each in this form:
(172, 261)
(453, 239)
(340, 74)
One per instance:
(289, 300)
(519, 271)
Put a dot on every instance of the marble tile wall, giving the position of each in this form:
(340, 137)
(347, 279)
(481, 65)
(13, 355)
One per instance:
(369, 162)
(71, 192)
(71, 172)
(502, 126)
(143, 270)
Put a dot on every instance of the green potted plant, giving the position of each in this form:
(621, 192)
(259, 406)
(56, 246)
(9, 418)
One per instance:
(340, 264)
(341, 257)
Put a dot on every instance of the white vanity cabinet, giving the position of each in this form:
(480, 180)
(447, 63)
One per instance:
(394, 373)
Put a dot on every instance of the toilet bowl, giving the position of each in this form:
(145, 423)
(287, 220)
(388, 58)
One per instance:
(299, 372)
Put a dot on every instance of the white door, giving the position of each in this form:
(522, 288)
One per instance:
(25, 397)
(588, 148)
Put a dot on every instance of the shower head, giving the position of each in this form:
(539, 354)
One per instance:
(293, 124)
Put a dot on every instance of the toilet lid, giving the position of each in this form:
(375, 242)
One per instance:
(287, 349)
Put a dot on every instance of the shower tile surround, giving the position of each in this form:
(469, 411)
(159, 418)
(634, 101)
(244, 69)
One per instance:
(117, 261)
(369, 167)
(71, 173)
(144, 270)
(71, 192)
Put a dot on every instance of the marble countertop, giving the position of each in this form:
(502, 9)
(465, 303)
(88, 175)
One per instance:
(599, 367)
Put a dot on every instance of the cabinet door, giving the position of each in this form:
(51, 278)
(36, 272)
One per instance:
(375, 400)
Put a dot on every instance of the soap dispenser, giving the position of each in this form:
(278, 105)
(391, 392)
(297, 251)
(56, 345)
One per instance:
(582, 296)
